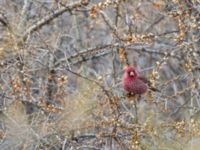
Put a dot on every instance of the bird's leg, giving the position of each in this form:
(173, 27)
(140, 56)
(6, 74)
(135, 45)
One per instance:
(130, 95)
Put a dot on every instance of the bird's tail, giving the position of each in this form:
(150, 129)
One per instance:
(154, 89)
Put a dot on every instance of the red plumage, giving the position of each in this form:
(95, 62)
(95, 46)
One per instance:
(133, 82)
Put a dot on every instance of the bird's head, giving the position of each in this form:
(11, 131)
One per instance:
(131, 72)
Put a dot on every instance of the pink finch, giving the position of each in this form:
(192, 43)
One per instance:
(134, 83)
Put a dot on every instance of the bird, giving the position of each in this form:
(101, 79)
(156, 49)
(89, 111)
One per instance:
(134, 83)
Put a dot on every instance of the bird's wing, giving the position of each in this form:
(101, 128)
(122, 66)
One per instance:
(148, 83)
(144, 80)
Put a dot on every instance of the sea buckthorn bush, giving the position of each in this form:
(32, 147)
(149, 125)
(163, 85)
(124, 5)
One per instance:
(61, 70)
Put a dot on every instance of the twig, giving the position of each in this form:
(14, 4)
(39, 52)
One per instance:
(50, 17)
(3, 20)
(114, 67)
(154, 23)
(24, 13)
(122, 146)
(136, 111)
(63, 146)
(117, 15)
(91, 80)
(88, 53)
(111, 26)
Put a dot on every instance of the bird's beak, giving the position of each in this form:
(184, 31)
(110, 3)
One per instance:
(132, 73)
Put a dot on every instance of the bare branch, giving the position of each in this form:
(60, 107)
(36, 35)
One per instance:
(50, 17)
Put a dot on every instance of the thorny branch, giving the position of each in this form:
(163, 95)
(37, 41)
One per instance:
(171, 52)
(50, 17)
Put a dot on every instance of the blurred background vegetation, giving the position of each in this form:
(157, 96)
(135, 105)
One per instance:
(61, 66)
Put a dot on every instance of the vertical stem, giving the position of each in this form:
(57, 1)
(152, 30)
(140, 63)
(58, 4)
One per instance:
(136, 113)
(117, 15)
(114, 67)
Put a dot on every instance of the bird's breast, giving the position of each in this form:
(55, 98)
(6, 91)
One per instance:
(135, 86)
